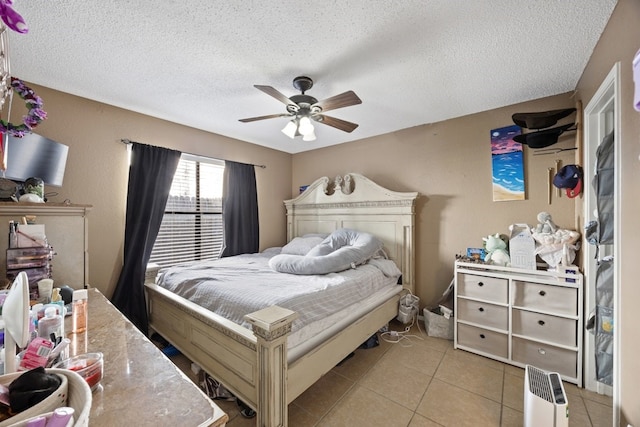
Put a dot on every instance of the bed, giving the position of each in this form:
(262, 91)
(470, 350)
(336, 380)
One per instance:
(255, 358)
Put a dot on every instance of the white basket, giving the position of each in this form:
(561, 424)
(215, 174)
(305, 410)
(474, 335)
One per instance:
(73, 392)
(79, 396)
(437, 325)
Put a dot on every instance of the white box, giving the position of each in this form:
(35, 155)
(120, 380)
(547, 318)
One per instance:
(522, 247)
(31, 235)
(566, 269)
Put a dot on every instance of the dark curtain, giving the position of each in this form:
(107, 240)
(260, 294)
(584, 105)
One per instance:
(239, 209)
(150, 177)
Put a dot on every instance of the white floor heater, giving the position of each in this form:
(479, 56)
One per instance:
(545, 402)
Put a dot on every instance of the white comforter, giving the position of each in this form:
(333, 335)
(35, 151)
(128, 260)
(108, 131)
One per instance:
(235, 286)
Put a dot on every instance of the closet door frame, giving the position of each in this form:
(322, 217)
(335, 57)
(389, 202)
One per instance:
(601, 116)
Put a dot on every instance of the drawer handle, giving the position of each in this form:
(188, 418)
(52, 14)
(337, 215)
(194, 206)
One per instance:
(542, 293)
(482, 336)
(541, 322)
(481, 309)
(542, 351)
(480, 284)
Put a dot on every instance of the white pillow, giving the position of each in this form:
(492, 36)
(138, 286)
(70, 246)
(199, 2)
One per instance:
(342, 250)
(366, 244)
(301, 245)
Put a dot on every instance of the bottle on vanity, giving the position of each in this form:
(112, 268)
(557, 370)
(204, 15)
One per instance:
(79, 311)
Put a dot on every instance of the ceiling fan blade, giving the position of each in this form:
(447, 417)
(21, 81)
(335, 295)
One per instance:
(336, 123)
(270, 116)
(275, 93)
(345, 99)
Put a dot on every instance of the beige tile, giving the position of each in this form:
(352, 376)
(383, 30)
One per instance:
(300, 418)
(418, 356)
(363, 359)
(363, 407)
(571, 389)
(397, 382)
(439, 343)
(453, 406)
(577, 419)
(472, 360)
(595, 397)
(514, 370)
(382, 386)
(511, 417)
(323, 395)
(600, 415)
(513, 392)
(576, 405)
(464, 371)
(420, 421)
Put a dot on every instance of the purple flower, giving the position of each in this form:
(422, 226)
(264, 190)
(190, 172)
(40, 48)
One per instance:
(34, 103)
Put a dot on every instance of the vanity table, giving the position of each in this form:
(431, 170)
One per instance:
(140, 385)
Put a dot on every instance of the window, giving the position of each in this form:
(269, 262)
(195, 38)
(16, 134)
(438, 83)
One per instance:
(192, 224)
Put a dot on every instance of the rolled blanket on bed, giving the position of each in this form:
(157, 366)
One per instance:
(341, 250)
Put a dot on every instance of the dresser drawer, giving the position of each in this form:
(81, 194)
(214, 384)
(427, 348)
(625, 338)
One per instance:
(483, 313)
(553, 299)
(485, 288)
(559, 330)
(483, 340)
(546, 357)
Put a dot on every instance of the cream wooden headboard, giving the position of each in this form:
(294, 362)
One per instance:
(356, 202)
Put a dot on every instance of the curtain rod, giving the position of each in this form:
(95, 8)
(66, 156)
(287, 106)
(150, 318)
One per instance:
(129, 142)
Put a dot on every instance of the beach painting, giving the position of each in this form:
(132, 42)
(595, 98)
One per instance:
(507, 164)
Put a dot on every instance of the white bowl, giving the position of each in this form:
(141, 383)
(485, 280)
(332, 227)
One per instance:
(55, 400)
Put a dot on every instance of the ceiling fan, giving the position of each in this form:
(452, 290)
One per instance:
(305, 108)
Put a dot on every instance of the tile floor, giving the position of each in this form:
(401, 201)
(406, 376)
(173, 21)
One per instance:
(420, 381)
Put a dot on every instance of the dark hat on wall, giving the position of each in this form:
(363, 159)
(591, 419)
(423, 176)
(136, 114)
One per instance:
(569, 177)
(541, 120)
(542, 138)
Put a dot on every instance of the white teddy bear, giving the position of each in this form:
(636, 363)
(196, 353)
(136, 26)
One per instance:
(554, 242)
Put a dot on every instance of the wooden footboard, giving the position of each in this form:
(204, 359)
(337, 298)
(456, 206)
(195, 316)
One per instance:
(253, 365)
(225, 350)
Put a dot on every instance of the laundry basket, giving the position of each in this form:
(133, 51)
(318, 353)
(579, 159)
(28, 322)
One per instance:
(73, 392)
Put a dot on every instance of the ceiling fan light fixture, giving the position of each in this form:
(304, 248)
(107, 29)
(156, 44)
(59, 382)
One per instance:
(309, 137)
(305, 127)
(302, 109)
(290, 129)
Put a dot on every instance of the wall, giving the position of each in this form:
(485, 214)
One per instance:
(620, 42)
(449, 164)
(97, 170)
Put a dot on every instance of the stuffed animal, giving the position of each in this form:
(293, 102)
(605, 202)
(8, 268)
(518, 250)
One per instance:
(545, 224)
(496, 250)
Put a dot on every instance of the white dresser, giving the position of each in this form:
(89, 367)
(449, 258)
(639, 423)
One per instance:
(521, 317)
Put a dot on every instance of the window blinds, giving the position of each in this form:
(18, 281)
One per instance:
(192, 224)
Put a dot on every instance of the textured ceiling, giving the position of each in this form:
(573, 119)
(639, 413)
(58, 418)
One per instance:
(411, 62)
